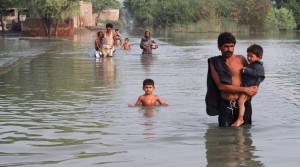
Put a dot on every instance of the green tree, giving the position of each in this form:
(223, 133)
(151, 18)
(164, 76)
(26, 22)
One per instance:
(207, 14)
(224, 8)
(252, 13)
(55, 11)
(172, 13)
(101, 5)
(141, 11)
(168, 14)
(280, 19)
(293, 6)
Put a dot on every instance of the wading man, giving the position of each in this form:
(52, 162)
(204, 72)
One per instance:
(224, 84)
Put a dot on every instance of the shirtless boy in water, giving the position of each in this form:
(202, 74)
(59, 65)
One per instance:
(148, 99)
(126, 45)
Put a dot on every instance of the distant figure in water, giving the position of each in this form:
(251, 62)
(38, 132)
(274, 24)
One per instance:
(148, 99)
(252, 75)
(109, 41)
(99, 43)
(126, 45)
(147, 43)
(119, 39)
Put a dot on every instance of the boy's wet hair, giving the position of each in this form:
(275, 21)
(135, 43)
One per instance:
(109, 25)
(127, 39)
(148, 82)
(99, 33)
(256, 49)
(226, 37)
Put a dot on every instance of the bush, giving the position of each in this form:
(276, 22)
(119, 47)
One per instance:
(280, 19)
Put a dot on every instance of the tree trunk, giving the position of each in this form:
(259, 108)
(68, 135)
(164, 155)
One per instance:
(47, 25)
(56, 27)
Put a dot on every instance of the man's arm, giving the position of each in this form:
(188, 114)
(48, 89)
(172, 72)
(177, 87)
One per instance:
(97, 44)
(141, 45)
(114, 38)
(251, 91)
(121, 39)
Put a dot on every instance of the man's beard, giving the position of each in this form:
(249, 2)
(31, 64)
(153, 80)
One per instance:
(227, 54)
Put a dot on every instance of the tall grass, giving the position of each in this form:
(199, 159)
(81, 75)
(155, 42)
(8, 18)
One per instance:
(215, 26)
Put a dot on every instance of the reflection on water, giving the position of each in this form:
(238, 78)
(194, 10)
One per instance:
(150, 124)
(147, 61)
(149, 112)
(106, 71)
(232, 147)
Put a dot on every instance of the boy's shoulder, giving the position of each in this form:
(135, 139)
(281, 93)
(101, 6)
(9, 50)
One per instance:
(257, 63)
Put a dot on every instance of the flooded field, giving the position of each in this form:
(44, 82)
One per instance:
(60, 107)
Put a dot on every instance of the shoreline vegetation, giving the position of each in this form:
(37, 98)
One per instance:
(182, 29)
(193, 16)
(214, 15)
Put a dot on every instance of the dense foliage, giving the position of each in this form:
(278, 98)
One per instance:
(101, 5)
(55, 11)
(50, 11)
(280, 19)
(253, 15)
(210, 15)
(290, 5)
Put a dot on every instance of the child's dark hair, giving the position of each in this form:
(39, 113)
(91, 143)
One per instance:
(226, 37)
(148, 82)
(257, 50)
(127, 39)
(99, 33)
(109, 25)
(116, 29)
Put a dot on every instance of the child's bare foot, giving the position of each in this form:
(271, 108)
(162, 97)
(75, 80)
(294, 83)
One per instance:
(238, 122)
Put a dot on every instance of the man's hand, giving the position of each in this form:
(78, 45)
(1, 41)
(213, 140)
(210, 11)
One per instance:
(251, 91)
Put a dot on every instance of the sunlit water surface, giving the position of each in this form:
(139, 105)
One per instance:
(64, 108)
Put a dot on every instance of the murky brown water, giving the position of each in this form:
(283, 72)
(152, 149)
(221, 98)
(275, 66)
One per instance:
(64, 108)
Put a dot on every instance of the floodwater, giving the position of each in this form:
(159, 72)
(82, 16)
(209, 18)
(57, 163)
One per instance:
(63, 108)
